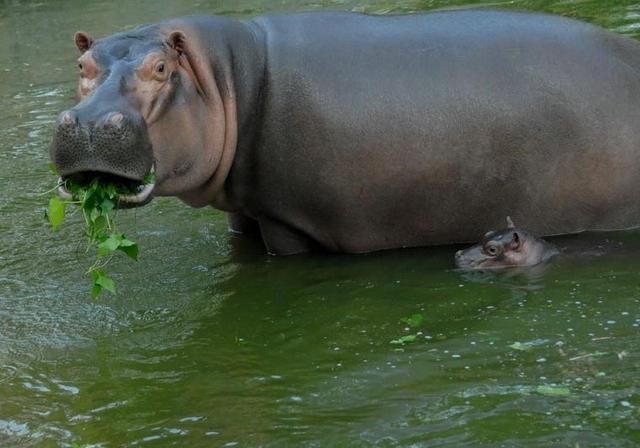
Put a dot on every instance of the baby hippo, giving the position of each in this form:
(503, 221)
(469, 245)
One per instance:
(506, 248)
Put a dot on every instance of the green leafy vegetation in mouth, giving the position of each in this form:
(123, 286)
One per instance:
(97, 201)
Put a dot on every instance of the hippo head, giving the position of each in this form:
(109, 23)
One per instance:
(510, 247)
(148, 102)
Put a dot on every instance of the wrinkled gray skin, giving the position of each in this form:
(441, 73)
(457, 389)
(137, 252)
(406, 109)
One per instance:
(511, 247)
(354, 133)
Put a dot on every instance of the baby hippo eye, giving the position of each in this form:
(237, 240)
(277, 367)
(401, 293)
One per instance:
(160, 69)
(492, 250)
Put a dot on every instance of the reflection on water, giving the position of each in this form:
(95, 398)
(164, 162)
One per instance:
(212, 343)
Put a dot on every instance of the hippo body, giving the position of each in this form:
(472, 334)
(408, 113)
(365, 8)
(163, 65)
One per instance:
(356, 133)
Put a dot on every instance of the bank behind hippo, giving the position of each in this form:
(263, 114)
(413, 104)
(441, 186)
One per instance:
(354, 133)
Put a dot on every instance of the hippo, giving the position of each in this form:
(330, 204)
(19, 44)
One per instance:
(352, 133)
(506, 248)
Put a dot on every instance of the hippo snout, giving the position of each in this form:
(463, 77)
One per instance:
(461, 260)
(114, 143)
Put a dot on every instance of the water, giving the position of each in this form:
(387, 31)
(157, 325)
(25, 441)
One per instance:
(211, 343)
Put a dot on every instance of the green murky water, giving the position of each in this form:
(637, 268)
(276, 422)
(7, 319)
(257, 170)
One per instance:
(212, 343)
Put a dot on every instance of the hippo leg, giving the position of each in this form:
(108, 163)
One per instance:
(239, 223)
(281, 239)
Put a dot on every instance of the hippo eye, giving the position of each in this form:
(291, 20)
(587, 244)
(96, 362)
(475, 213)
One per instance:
(492, 250)
(160, 68)
(80, 66)
(160, 71)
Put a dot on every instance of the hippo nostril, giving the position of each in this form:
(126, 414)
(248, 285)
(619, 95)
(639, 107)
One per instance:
(116, 119)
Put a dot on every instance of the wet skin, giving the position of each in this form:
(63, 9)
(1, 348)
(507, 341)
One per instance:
(511, 247)
(353, 133)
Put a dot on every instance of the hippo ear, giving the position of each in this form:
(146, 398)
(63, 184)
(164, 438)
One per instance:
(83, 41)
(515, 241)
(510, 224)
(177, 41)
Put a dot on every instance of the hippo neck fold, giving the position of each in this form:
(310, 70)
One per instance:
(235, 54)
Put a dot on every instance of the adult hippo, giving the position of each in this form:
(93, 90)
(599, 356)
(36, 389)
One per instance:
(355, 133)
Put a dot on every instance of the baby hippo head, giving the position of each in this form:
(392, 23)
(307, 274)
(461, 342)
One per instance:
(510, 247)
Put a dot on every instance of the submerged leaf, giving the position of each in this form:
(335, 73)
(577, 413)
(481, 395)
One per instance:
(520, 346)
(553, 391)
(528, 345)
(408, 339)
(414, 321)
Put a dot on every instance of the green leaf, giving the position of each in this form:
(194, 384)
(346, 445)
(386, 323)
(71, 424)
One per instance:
(109, 245)
(97, 200)
(103, 280)
(124, 242)
(95, 291)
(56, 212)
(553, 391)
(91, 199)
(111, 191)
(94, 215)
(408, 339)
(106, 205)
(129, 248)
(99, 225)
(414, 321)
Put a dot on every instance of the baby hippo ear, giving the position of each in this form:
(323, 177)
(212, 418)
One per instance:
(83, 41)
(510, 224)
(515, 241)
(178, 41)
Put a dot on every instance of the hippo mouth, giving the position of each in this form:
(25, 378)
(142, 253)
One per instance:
(131, 192)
